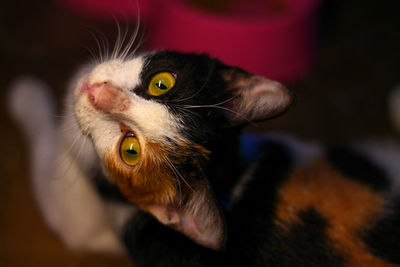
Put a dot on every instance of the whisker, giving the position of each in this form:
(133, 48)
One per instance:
(72, 181)
(105, 45)
(132, 40)
(64, 116)
(177, 178)
(136, 32)
(223, 108)
(138, 45)
(183, 179)
(200, 89)
(225, 101)
(66, 129)
(118, 41)
(92, 54)
(69, 150)
(99, 48)
(123, 41)
(187, 111)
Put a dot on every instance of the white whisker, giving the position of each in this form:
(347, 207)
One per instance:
(92, 54)
(102, 46)
(132, 40)
(176, 176)
(99, 47)
(223, 108)
(198, 91)
(118, 41)
(179, 174)
(64, 116)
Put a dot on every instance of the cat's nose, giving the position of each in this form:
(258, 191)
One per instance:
(108, 97)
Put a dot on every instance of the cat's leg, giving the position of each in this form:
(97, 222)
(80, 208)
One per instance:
(73, 209)
(61, 162)
(68, 200)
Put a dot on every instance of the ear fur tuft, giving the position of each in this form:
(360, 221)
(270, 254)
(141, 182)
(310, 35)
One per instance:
(256, 98)
(199, 218)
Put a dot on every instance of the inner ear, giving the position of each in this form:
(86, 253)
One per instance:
(198, 217)
(254, 98)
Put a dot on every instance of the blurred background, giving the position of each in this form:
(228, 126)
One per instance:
(350, 61)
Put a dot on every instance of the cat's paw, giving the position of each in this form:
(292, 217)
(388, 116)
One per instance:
(30, 104)
(105, 242)
(101, 240)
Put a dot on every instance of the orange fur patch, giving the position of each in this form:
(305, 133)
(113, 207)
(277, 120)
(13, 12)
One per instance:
(150, 181)
(349, 207)
(155, 180)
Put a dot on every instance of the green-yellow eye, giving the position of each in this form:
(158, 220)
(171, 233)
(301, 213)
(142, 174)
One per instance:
(130, 150)
(161, 83)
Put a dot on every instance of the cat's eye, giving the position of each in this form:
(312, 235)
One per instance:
(130, 150)
(161, 83)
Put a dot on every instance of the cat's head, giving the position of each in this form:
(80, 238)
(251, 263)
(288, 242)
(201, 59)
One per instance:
(152, 119)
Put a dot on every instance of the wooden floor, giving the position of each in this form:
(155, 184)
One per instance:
(343, 98)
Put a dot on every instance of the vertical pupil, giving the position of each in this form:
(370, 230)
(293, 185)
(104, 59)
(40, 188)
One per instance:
(131, 151)
(160, 85)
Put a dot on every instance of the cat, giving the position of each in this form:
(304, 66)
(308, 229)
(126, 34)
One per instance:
(149, 159)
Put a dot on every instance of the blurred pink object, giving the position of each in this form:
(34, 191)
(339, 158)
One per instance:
(273, 38)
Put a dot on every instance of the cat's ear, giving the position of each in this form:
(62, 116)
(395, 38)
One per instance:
(198, 216)
(255, 98)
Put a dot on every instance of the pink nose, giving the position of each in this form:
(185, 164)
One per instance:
(107, 97)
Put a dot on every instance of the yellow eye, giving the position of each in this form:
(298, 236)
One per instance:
(161, 83)
(130, 150)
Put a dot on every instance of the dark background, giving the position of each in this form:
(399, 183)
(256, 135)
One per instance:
(343, 98)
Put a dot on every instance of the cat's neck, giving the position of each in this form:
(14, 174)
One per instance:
(226, 164)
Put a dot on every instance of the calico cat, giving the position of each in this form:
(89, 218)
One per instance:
(150, 159)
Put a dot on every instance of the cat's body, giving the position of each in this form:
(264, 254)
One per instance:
(286, 203)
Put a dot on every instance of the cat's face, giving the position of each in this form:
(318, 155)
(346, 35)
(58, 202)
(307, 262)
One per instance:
(151, 120)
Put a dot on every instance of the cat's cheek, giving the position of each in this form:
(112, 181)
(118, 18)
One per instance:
(146, 183)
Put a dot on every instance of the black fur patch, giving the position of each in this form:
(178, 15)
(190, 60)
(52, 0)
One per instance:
(253, 237)
(257, 206)
(384, 238)
(199, 86)
(358, 167)
(152, 244)
(305, 244)
(225, 161)
(107, 190)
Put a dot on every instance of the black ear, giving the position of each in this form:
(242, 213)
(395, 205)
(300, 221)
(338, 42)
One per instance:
(198, 216)
(254, 97)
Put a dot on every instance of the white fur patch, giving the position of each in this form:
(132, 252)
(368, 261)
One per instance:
(153, 119)
(149, 119)
(124, 74)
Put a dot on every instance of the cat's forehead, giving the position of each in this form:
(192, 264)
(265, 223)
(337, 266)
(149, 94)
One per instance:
(124, 73)
(194, 65)
(129, 73)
